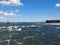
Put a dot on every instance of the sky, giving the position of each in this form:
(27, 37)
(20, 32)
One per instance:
(29, 10)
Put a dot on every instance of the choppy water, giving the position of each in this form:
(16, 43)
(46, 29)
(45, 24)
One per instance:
(41, 34)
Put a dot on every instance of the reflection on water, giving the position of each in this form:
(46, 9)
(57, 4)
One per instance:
(31, 34)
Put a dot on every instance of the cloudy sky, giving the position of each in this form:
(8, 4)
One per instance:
(29, 10)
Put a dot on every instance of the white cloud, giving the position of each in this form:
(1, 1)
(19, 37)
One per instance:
(16, 10)
(1, 12)
(57, 5)
(8, 16)
(11, 2)
(2, 18)
(9, 13)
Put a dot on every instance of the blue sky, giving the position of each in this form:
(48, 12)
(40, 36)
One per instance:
(29, 10)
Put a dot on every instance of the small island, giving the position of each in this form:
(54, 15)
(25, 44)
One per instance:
(52, 21)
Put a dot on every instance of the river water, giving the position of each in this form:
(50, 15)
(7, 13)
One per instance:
(40, 34)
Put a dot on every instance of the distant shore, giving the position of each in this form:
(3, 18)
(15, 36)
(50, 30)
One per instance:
(52, 21)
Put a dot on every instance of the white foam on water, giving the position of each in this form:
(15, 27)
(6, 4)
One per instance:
(23, 26)
(52, 23)
(28, 37)
(57, 27)
(19, 43)
(33, 26)
(43, 33)
(19, 29)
